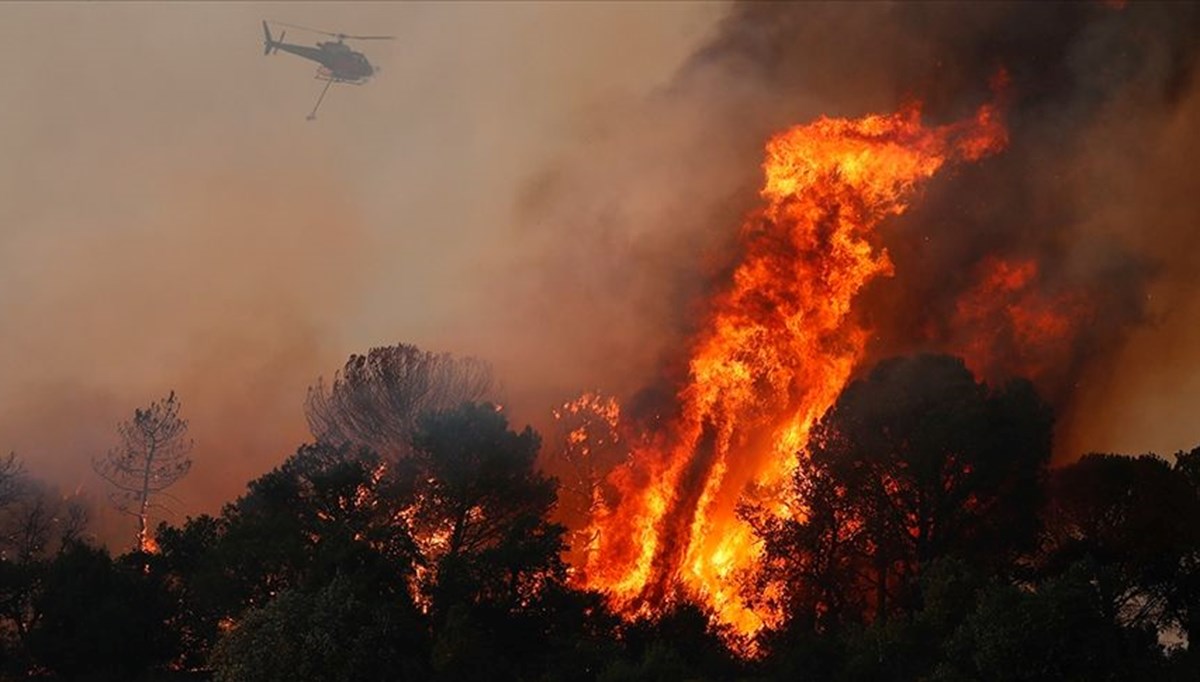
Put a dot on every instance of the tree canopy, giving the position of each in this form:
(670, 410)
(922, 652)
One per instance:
(914, 462)
(376, 399)
(930, 542)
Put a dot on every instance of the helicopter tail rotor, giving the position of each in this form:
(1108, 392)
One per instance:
(270, 44)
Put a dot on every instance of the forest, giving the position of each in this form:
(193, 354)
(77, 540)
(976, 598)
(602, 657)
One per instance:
(825, 338)
(418, 537)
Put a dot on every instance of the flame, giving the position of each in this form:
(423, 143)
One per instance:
(150, 545)
(1012, 325)
(590, 444)
(776, 349)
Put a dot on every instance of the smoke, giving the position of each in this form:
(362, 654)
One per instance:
(634, 228)
(215, 292)
(171, 221)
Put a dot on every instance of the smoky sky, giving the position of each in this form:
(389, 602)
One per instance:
(170, 221)
(553, 188)
(1096, 188)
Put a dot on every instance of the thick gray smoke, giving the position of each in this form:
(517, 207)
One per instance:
(1096, 191)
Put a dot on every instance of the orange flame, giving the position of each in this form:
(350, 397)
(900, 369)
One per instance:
(590, 444)
(777, 348)
(150, 546)
(1006, 309)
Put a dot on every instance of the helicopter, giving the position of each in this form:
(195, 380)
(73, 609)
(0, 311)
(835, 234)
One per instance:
(338, 63)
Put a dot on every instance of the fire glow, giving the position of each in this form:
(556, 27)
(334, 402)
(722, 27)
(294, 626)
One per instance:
(776, 348)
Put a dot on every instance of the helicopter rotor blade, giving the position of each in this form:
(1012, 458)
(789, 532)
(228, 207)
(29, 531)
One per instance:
(339, 36)
(305, 28)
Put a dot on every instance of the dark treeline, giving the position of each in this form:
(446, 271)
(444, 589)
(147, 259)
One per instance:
(935, 543)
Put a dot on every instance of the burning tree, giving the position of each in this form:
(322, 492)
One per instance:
(152, 456)
(774, 352)
(914, 463)
(376, 399)
(480, 516)
(587, 445)
(480, 506)
(339, 545)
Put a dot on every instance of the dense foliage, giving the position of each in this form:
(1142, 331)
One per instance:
(935, 543)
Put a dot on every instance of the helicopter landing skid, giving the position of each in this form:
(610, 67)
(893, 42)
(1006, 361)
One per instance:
(324, 74)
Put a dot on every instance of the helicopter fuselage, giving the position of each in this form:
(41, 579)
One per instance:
(341, 62)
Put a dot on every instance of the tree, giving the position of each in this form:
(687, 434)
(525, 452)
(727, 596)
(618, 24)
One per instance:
(11, 473)
(338, 633)
(1184, 602)
(480, 504)
(325, 511)
(915, 462)
(1136, 518)
(443, 563)
(377, 398)
(480, 516)
(36, 521)
(199, 580)
(679, 643)
(152, 455)
(586, 444)
(100, 619)
(325, 514)
(1060, 629)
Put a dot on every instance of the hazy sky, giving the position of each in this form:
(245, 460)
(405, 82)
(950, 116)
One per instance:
(170, 220)
(543, 185)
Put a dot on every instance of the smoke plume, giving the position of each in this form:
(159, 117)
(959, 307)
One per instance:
(1090, 208)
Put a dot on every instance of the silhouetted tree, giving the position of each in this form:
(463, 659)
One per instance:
(912, 648)
(152, 456)
(377, 398)
(1138, 519)
(100, 619)
(481, 517)
(1061, 629)
(681, 643)
(33, 515)
(197, 576)
(914, 462)
(1184, 600)
(36, 522)
(478, 495)
(325, 511)
(458, 529)
(337, 633)
(10, 478)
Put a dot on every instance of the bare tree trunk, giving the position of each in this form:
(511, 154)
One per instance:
(144, 506)
(152, 455)
(142, 512)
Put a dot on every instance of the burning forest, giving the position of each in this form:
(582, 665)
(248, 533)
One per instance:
(843, 325)
(805, 309)
(774, 353)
